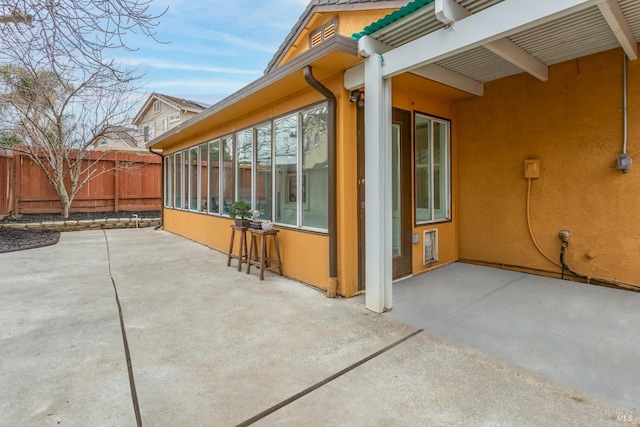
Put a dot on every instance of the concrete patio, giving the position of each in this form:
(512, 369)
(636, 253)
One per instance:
(212, 346)
(578, 334)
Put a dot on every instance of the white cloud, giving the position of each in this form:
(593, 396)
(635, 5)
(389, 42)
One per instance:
(167, 65)
(202, 84)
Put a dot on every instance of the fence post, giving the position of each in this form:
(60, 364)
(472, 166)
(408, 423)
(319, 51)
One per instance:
(116, 186)
(17, 181)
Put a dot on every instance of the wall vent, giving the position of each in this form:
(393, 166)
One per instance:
(430, 252)
(329, 31)
(325, 32)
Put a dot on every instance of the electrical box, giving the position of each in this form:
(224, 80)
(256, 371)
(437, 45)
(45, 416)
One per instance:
(532, 168)
(624, 162)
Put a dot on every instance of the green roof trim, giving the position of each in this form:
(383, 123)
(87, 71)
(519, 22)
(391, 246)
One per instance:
(391, 18)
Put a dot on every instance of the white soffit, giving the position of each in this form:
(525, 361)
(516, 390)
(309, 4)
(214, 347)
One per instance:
(631, 11)
(574, 36)
(583, 33)
(480, 64)
(423, 21)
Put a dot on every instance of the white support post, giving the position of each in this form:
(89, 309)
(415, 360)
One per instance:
(378, 184)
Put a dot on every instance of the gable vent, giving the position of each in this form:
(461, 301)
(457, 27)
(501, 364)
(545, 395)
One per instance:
(316, 38)
(330, 31)
(327, 31)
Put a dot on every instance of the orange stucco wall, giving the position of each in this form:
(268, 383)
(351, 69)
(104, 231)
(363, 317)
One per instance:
(348, 24)
(573, 124)
(411, 97)
(305, 254)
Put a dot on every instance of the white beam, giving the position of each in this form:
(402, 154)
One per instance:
(505, 48)
(448, 11)
(486, 26)
(513, 53)
(368, 46)
(377, 132)
(612, 13)
(354, 77)
(442, 75)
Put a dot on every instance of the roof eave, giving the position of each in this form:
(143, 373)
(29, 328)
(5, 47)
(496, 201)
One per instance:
(313, 8)
(337, 43)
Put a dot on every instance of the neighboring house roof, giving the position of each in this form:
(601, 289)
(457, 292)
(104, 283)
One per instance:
(178, 103)
(119, 135)
(316, 6)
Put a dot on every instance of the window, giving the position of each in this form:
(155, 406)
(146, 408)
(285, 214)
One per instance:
(244, 156)
(193, 179)
(203, 179)
(214, 177)
(313, 191)
(174, 117)
(279, 167)
(432, 190)
(168, 181)
(164, 125)
(156, 106)
(263, 202)
(286, 164)
(148, 133)
(228, 174)
(177, 183)
(185, 180)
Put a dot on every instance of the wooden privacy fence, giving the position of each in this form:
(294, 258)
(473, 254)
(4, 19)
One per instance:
(125, 181)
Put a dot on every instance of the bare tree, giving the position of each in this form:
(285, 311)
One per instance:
(60, 88)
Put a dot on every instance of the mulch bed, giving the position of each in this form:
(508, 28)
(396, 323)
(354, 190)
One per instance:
(21, 239)
(12, 239)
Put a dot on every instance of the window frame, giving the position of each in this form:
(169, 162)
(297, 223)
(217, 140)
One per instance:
(231, 139)
(172, 117)
(168, 181)
(447, 174)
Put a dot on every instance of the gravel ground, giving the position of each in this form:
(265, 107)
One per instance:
(17, 240)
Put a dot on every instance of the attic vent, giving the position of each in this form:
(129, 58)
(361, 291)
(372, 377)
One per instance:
(327, 31)
(330, 31)
(316, 38)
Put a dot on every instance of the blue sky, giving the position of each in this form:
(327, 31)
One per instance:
(214, 47)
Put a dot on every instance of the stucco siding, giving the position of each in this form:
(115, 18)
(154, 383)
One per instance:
(573, 124)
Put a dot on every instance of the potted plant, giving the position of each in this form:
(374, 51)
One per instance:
(240, 211)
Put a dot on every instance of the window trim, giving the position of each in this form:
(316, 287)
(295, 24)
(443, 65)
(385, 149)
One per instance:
(168, 181)
(172, 119)
(448, 175)
(231, 137)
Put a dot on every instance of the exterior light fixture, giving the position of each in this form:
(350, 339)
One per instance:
(357, 95)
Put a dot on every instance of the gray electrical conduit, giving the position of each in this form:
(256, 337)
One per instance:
(590, 279)
(533, 238)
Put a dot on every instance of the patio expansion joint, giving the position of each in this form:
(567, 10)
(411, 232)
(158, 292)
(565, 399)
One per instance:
(325, 381)
(125, 342)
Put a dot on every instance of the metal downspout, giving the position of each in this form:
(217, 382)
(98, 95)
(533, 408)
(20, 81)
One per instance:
(162, 201)
(332, 287)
